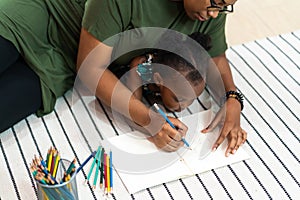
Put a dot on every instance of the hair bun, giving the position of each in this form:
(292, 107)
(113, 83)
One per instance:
(203, 39)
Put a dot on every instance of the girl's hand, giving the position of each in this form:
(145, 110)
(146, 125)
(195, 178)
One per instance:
(168, 138)
(231, 130)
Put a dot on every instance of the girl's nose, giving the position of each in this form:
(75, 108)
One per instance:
(184, 105)
(213, 14)
(177, 108)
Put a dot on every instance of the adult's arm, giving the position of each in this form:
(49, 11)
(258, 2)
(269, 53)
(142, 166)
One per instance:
(93, 58)
(231, 130)
(101, 81)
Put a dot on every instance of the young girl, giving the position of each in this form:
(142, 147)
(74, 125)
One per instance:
(155, 71)
(165, 77)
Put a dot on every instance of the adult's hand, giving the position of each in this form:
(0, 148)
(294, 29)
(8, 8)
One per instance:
(231, 129)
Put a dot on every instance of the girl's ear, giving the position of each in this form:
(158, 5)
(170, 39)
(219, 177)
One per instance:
(158, 80)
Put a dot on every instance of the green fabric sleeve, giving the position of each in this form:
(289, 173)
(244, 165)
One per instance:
(106, 18)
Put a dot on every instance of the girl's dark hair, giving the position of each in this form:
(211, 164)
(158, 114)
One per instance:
(180, 64)
(203, 39)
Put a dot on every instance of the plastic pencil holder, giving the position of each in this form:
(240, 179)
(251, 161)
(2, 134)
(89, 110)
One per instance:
(61, 191)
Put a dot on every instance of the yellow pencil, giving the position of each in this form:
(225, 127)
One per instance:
(56, 165)
(50, 160)
(54, 155)
(68, 179)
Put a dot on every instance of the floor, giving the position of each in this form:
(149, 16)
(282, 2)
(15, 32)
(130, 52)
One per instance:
(271, 120)
(257, 19)
(268, 77)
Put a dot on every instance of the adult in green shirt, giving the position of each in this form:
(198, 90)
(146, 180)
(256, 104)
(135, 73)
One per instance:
(44, 36)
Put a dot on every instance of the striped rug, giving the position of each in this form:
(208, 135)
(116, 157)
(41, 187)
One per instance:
(267, 71)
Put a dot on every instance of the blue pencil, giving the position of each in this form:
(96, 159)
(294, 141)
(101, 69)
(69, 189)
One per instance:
(111, 171)
(170, 123)
(87, 160)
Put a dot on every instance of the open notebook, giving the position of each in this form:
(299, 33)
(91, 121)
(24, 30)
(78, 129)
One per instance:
(141, 165)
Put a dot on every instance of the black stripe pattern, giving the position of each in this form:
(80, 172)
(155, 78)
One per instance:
(267, 71)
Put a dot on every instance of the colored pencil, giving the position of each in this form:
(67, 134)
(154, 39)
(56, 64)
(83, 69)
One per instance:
(105, 173)
(93, 164)
(102, 168)
(72, 165)
(110, 170)
(86, 161)
(43, 163)
(97, 169)
(108, 173)
(53, 161)
(49, 161)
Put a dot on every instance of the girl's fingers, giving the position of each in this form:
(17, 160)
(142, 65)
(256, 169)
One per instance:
(181, 127)
(169, 148)
(176, 144)
(175, 135)
(168, 140)
(179, 132)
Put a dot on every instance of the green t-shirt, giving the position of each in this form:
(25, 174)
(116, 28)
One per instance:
(106, 18)
(46, 32)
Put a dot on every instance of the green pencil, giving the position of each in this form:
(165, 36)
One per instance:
(93, 164)
(97, 169)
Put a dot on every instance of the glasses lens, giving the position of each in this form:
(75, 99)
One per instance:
(227, 9)
(229, 2)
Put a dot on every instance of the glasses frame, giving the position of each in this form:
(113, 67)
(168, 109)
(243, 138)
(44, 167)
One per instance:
(228, 8)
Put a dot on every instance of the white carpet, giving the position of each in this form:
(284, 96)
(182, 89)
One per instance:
(267, 71)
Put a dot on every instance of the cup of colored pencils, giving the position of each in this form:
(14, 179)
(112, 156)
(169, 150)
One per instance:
(55, 177)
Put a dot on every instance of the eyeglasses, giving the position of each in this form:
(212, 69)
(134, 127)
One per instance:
(224, 7)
